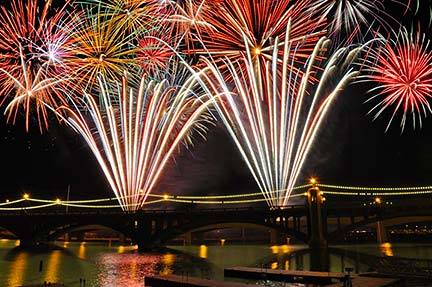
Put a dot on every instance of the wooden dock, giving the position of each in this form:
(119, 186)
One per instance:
(292, 276)
(360, 281)
(184, 281)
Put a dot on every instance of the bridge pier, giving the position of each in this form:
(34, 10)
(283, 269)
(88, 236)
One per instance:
(274, 237)
(142, 235)
(32, 243)
(317, 239)
(381, 232)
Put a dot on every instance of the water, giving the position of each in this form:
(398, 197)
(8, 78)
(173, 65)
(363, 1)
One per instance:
(102, 265)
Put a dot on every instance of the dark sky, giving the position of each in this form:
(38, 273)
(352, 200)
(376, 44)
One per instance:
(350, 149)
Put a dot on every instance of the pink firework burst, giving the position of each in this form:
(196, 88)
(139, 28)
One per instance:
(402, 70)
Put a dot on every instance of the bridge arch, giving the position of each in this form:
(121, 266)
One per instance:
(386, 221)
(8, 230)
(59, 231)
(167, 234)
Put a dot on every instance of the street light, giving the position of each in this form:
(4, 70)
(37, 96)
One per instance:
(377, 200)
(313, 181)
(26, 196)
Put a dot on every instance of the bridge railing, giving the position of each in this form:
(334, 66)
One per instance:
(61, 211)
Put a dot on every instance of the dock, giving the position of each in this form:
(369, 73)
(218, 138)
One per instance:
(184, 281)
(360, 281)
(45, 285)
(330, 279)
(292, 276)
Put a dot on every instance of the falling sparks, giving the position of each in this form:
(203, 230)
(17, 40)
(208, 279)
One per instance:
(135, 134)
(274, 120)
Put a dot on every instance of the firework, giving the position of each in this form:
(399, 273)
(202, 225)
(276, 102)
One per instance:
(31, 88)
(131, 16)
(189, 20)
(155, 50)
(101, 48)
(260, 23)
(153, 56)
(135, 133)
(348, 18)
(401, 70)
(275, 119)
(34, 41)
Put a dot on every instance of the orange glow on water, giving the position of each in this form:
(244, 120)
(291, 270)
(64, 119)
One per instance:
(82, 251)
(18, 269)
(280, 249)
(386, 249)
(53, 266)
(167, 261)
(203, 251)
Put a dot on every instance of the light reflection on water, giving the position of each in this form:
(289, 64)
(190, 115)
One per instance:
(386, 249)
(103, 265)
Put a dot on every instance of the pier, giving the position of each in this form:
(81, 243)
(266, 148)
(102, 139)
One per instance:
(185, 281)
(333, 279)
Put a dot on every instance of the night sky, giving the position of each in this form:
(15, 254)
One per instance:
(350, 149)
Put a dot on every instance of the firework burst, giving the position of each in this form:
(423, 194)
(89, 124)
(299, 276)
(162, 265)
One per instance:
(29, 88)
(189, 20)
(348, 18)
(34, 42)
(402, 71)
(132, 16)
(101, 48)
(260, 23)
(274, 120)
(135, 133)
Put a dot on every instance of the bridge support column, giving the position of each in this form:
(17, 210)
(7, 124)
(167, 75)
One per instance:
(143, 235)
(122, 238)
(381, 233)
(274, 237)
(316, 219)
(188, 239)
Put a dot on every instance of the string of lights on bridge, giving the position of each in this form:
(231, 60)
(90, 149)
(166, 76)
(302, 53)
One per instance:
(326, 189)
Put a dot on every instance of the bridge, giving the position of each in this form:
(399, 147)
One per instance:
(320, 219)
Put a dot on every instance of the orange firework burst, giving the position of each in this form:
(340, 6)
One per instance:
(101, 48)
(34, 41)
(132, 16)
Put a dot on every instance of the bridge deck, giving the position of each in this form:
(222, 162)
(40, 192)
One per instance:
(183, 281)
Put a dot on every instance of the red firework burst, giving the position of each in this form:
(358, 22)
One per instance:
(259, 23)
(153, 55)
(402, 70)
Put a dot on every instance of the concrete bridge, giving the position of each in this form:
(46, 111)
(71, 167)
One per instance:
(316, 222)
